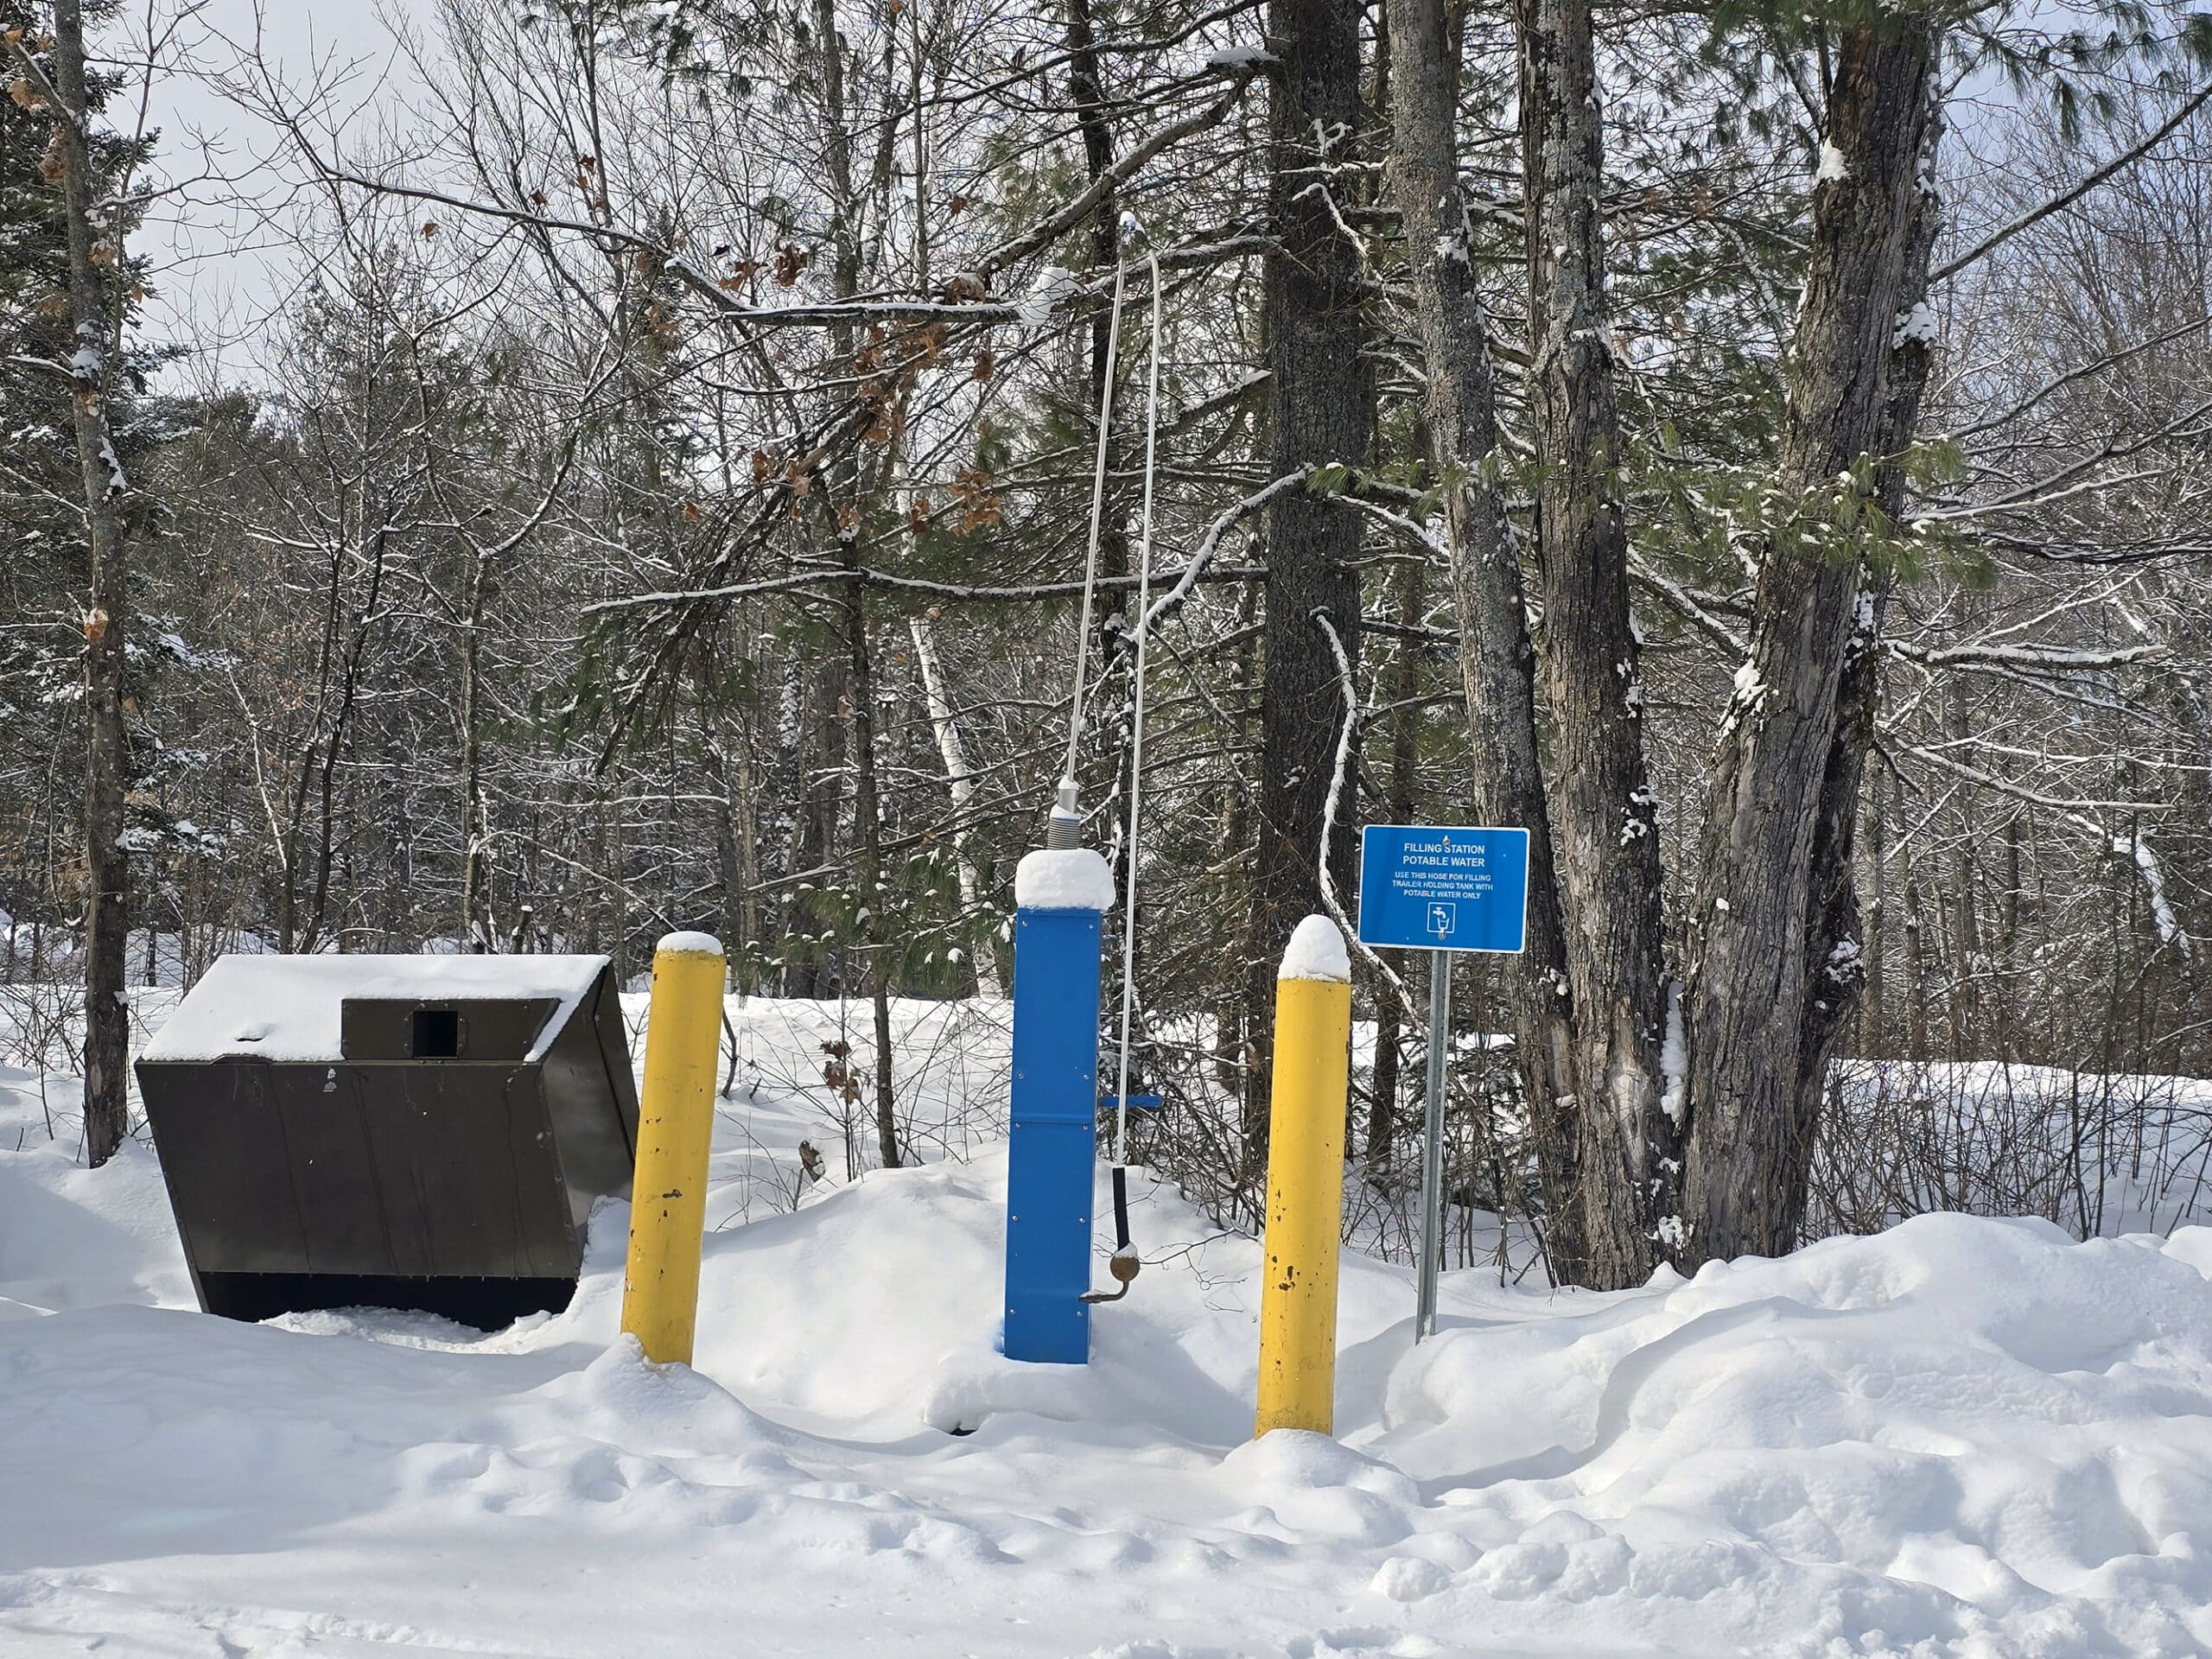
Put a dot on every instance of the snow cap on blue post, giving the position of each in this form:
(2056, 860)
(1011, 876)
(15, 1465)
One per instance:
(1071, 878)
(1316, 951)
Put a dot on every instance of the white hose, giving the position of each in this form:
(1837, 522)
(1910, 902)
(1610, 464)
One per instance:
(1066, 793)
(1097, 516)
(1136, 729)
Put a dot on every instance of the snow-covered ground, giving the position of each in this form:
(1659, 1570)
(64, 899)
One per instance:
(1962, 1437)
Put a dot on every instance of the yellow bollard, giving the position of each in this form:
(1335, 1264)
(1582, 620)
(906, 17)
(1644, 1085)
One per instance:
(676, 1121)
(1306, 1182)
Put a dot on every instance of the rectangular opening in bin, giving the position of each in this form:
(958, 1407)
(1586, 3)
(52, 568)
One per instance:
(436, 1034)
(489, 1304)
(474, 1030)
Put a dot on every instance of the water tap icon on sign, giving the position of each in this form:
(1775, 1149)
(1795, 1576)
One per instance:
(1441, 919)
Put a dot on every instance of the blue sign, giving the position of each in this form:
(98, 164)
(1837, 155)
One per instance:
(1438, 887)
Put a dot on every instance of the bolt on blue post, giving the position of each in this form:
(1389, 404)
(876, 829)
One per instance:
(1060, 896)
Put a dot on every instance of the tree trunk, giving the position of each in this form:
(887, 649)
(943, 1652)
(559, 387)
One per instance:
(1603, 837)
(736, 844)
(842, 509)
(818, 740)
(1496, 661)
(1319, 415)
(1391, 1010)
(1916, 971)
(1233, 1057)
(107, 891)
(1087, 88)
(1873, 1014)
(869, 834)
(477, 935)
(960, 783)
(1107, 739)
(1773, 933)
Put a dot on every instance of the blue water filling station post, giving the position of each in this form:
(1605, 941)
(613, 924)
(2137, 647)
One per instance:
(1059, 896)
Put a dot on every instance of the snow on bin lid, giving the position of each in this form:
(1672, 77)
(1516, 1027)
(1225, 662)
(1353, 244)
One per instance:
(289, 1007)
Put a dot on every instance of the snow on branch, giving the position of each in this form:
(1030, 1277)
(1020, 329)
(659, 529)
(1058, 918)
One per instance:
(2135, 847)
(1346, 745)
(831, 575)
(1109, 180)
(2034, 660)
(1210, 543)
(1696, 610)
(1418, 534)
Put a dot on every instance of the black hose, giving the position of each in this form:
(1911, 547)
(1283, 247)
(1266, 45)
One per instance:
(1125, 1264)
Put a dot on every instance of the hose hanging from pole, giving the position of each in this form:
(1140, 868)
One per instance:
(1063, 828)
(1064, 825)
(1137, 740)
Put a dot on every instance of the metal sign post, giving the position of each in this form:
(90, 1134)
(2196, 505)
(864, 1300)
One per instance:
(1431, 1158)
(1441, 889)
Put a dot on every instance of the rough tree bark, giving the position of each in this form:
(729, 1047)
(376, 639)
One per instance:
(1086, 87)
(1317, 413)
(107, 868)
(1837, 959)
(1497, 663)
(1772, 936)
(1602, 837)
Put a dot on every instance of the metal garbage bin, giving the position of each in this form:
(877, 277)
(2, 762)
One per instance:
(411, 1132)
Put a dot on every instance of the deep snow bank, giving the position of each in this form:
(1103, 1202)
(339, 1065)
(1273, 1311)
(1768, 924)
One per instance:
(1962, 1437)
(1974, 1432)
